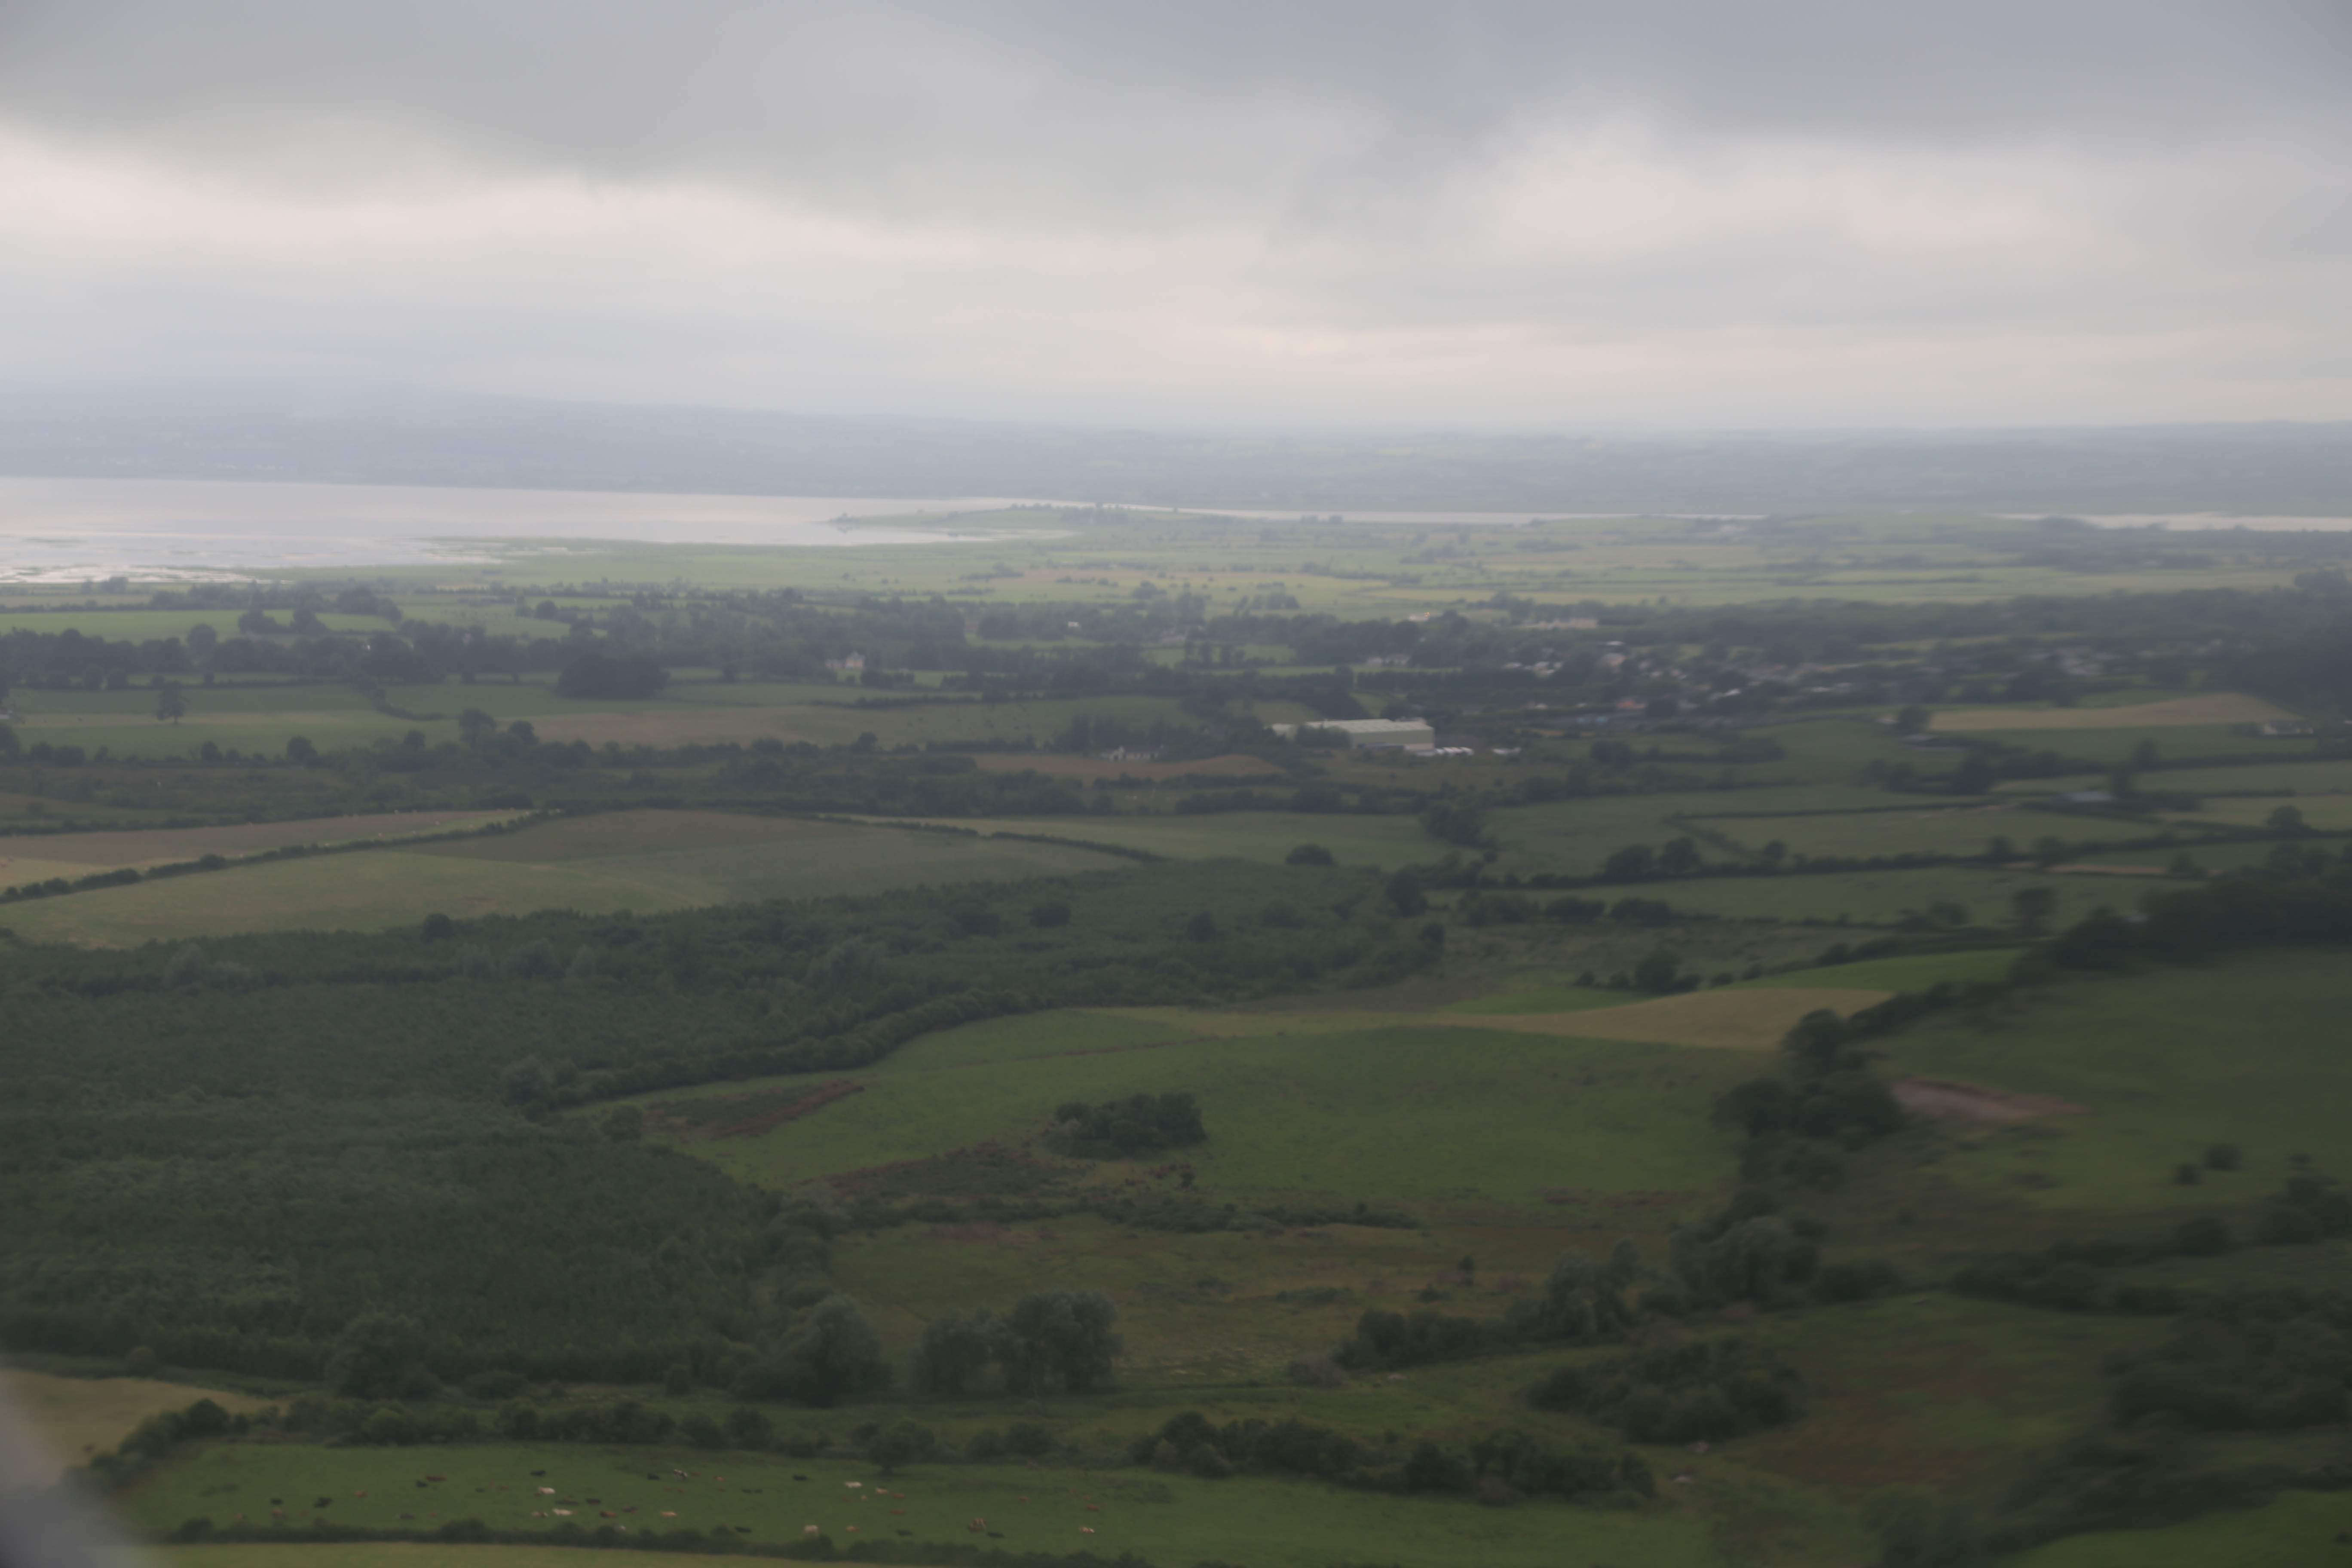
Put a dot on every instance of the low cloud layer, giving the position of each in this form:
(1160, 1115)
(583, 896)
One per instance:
(1542, 215)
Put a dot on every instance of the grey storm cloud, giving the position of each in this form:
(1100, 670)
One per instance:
(1270, 213)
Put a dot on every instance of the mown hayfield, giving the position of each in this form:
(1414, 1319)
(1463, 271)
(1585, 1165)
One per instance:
(2167, 1063)
(645, 861)
(1047, 1507)
(1261, 836)
(2207, 707)
(1472, 1122)
(75, 1416)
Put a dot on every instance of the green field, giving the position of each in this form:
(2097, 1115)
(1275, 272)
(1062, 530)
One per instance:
(1961, 827)
(2295, 1530)
(2169, 1063)
(1036, 1508)
(2329, 813)
(644, 861)
(1261, 836)
(32, 858)
(1453, 1120)
(1915, 971)
(2204, 711)
(1884, 898)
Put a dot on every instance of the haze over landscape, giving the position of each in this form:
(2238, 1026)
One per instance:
(1500, 216)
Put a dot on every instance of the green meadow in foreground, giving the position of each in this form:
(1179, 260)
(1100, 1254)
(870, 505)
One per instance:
(765, 1498)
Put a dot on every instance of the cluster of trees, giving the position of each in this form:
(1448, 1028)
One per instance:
(1123, 1129)
(1746, 1254)
(1065, 1339)
(1699, 1390)
(1499, 1468)
(1829, 1103)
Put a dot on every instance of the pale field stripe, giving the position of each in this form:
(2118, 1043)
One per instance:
(2211, 708)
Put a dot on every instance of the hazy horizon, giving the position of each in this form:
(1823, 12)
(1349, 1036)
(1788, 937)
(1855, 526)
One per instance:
(1501, 217)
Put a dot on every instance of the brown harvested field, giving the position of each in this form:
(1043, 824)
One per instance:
(77, 1416)
(2212, 708)
(1062, 767)
(1731, 1020)
(79, 854)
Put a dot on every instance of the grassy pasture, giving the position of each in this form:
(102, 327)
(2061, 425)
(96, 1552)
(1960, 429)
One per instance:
(141, 624)
(393, 1554)
(2167, 1062)
(1166, 1520)
(679, 722)
(1883, 896)
(2294, 1529)
(1911, 972)
(78, 854)
(2115, 747)
(1475, 1121)
(2332, 813)
(252, 733)
(139, 702)
(644, 861)
(1261, 835)
(29, 809)
(1057, 765)
(1960, 828)
(2303, 777)
(76, 1416)
(2217, 854)
(1722, 1019)
(2205, 708)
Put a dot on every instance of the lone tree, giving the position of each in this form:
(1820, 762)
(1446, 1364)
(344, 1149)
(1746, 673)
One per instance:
(832, 1351)
(171, 705)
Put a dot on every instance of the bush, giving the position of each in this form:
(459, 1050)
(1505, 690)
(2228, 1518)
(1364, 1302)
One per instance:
(1701, 1390)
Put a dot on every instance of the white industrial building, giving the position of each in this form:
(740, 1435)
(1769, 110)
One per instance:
(1362, 732)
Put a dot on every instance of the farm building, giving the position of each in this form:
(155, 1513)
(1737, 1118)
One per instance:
(1368, 731)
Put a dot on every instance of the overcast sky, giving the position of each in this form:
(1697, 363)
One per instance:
(1554, 215)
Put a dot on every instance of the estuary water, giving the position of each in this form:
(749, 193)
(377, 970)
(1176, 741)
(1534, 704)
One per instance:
(69, 529)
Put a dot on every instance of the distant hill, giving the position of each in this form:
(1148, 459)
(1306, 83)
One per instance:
(358, 432)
